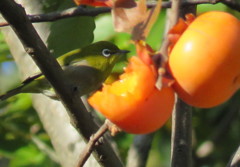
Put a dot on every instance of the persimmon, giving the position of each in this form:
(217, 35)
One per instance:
(205, 61)
(133, 102)
(104, 3)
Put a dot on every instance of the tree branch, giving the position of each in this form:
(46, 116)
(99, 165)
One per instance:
(34, 46)
(181, 135)
(139, 151)
(82, 11)
(182, 115)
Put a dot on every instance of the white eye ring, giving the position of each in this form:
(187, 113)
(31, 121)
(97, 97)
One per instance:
(106, 52)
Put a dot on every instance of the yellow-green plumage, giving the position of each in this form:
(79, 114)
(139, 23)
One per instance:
(86, 68)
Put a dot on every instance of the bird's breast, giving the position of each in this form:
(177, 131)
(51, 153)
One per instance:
(85, 78)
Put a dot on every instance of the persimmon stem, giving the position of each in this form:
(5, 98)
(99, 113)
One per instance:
(175, 11)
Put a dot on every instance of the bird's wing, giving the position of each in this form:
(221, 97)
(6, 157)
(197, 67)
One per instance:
(70, 58)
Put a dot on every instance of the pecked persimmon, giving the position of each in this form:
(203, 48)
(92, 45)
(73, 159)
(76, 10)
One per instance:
(205, 60)
(133, 103)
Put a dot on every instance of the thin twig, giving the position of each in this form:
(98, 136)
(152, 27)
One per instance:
(67, 13)
(82, 11)
(235, 160)
(175, 11)
(93, 141)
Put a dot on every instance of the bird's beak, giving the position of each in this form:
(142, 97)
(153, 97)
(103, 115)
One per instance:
(123, 51)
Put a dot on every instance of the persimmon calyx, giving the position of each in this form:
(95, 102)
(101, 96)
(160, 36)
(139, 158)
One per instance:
(176, 31)
(173, 35)
(156, 62)
(144, 52)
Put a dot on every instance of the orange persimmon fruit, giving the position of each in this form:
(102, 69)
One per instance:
(105, 3)
(133, 102)
(205, 61)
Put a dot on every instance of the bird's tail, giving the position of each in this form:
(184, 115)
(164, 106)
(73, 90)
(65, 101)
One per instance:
(19, 89)
(11, 93)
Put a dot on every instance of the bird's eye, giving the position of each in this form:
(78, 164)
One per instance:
(106, 52)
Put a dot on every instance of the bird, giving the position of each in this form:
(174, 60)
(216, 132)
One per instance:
(86, 68)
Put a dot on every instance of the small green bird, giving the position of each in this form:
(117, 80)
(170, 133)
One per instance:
(87, 68)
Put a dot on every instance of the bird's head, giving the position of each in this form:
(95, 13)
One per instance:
(104, 50)
(102, 55)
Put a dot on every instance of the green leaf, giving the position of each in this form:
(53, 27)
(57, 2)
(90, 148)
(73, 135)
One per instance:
(103, 22)
(27, 156)
(71, 33)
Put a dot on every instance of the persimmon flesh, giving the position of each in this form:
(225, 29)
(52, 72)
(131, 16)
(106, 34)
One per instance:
(205, 61)
(133, 103)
